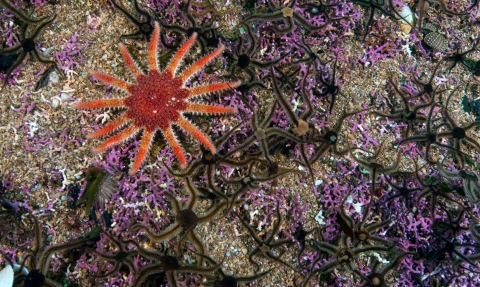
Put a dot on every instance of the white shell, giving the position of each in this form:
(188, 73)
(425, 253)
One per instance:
(6, 276)
(405, 14)
(406, 18)
(55, 103)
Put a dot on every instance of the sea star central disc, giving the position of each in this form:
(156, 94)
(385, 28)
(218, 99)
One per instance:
(159, 104)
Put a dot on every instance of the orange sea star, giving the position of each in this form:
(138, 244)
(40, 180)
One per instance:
(157, 101)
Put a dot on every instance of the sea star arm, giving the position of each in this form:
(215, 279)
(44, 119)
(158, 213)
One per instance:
(100, 104)
(195, 67)
(142, 152)
(153, 49)
(131, 65)
(124, 135)
(205, 89)
(110, 80)
(421, 13)
(209, 109)
(177, 58)
(115, 124)
(177, 149)
(196, 133)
